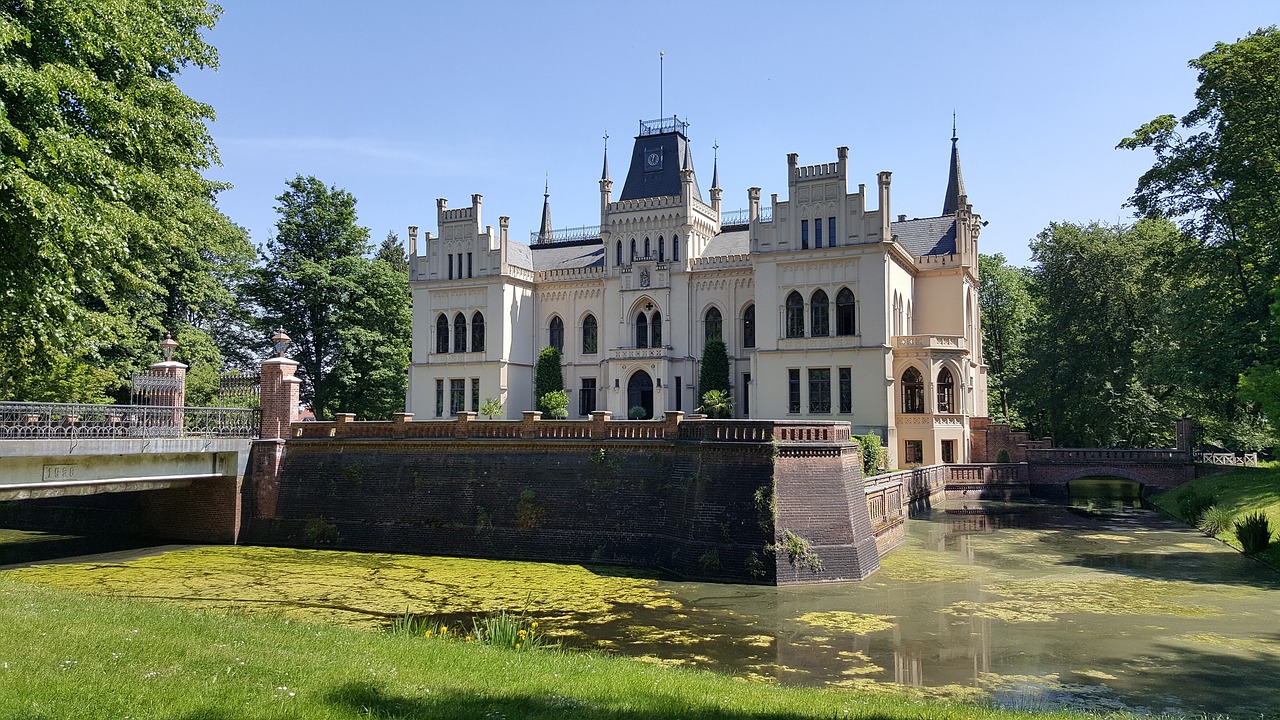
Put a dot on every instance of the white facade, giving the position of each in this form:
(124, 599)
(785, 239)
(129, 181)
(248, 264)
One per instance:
(829, 309)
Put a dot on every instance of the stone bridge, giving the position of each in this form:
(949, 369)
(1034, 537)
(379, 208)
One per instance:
(1050, 470)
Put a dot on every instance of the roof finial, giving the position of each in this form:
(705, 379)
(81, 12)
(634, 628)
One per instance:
(661, 109)
(955, 181)
(604, 174)
(953, 126)
(715, 167)
(544, 232)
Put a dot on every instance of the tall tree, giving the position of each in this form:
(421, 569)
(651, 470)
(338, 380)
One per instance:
(1094, 340)
(348, 314)
(392, 251)
(109, 234)
(547, 377)
(1006, 310)
(1217, 172)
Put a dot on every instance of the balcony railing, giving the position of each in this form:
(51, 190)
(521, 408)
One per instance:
(581, 232)
(929, 342)
(23, 421)
(652, 353)
(742, 217)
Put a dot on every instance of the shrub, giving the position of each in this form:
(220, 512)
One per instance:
(637, 413)
(505, 630)
(1192, 505)
(554, 405)
(528, 511)
(547, 376)
(320, 531)
(870, 444)
(1216, 519)
(716, 404)
(710, 560)
(1002, 456)
(799, 551)
(491, 408)
(1254, 532)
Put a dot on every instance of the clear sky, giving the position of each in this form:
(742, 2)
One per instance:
(404, 102)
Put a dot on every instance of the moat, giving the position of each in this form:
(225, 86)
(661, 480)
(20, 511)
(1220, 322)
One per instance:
(1102, 606)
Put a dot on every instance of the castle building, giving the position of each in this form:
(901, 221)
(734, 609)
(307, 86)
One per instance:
(829, 309)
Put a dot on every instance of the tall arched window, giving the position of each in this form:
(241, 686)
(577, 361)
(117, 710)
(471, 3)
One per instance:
(619, 252)
(713, 325)
(675, 248)
(656, 329)
(477, 332)
(946, 391)
(646, 247)
(555, 338)
(819, 314)
(749, 327)
(459, 333)
(912, 391)
(662, 249)
(442, 334)
(590, 337)
(845, 324)
(642, 330)
(633, 249)
(795, 315)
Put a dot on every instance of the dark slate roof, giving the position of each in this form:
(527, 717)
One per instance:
(733, 242)
(562, 256)
(518, 254)
(955, 181)
(927, 236)
(673, 149)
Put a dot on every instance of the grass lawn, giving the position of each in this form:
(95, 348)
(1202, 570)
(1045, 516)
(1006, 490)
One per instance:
(1243, 490)
(67, 654)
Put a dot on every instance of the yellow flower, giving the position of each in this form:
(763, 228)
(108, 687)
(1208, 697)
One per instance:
(534, 624)
(521, 634)
(468, 638)
(517, 646)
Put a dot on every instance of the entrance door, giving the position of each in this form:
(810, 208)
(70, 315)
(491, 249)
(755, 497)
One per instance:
(640, 395)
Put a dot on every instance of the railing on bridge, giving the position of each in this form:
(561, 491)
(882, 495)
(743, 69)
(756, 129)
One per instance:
(1226, 458)
(1111, 456)
(21, 421)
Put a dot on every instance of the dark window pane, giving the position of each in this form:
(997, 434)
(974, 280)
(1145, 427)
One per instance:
(793, 391)
(713, 325)
(817, 233)
(657, 329)
(457, 396)
(804, 234)
(587, 396)
(459, 333)
(442, 334)
(912, 391)
(831, 232)
(475, 394)
(589, 335)
(845, 313)
(946, 391)
(795, 315)
(749, 327)
(555, 337)
(819, 315)
(846, 390)
(642, 330)
(819, 390)
(439, 398)
(477, 332)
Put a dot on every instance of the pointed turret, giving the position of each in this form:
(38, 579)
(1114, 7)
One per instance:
(544, 231)
(716, 192)
(604, 174)
(955, 181)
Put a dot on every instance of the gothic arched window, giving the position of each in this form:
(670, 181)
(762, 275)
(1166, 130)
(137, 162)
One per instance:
(459, 333)
(642, 330)
(555, 337)
(713, 325)
(477, 332)
(633, 249)
(442, 334)
(656, 328)
(946, 391)
(619, 252)
(845, 324)
(912, 391)
(590, 337)
(662, 249)
(749, 327)
(819, 315)
(646, 247)
(795, 315)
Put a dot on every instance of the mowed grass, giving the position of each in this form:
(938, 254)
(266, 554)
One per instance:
(1243, 491)
(64, 654)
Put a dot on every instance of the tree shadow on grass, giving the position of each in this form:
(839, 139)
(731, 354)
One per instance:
(373, 700)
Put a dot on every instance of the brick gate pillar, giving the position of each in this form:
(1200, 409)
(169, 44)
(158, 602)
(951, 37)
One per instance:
(176, 395)
(279, 394)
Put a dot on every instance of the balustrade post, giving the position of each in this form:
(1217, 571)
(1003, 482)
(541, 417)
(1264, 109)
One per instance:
(175, 397)
(529, 424)
(279, 394)
(599, 424)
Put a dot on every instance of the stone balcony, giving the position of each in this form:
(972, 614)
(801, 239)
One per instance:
(930, 420)
(930, 342)
(631, 353)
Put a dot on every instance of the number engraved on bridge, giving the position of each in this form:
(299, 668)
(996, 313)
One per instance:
(53, 473)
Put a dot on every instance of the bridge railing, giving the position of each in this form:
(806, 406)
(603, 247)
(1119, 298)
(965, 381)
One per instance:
(1119, 455)
(33, 421)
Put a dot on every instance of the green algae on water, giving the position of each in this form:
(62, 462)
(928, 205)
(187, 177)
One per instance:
(857, 623)
(1093, 593)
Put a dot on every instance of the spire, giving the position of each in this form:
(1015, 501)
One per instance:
(955, 182)
(544, 232)
(715, 167)
(604, 174)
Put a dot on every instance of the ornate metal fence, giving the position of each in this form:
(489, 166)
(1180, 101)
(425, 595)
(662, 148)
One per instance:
(66, 420)
(147, 388)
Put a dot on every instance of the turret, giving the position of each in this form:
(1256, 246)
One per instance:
(716, 192)
(884, 177)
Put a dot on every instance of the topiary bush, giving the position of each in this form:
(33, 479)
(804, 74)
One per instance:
(870, 445)
(1002, 456)
(1254, 532)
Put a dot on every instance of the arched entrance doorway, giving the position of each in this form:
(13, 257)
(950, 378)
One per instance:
(640, 395)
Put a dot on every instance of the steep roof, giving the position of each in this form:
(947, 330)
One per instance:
(955, 181)
(567, 255)
(656, 161)
(732, 242)
(927, 236)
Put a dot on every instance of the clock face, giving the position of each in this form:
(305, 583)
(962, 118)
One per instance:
(653, 159)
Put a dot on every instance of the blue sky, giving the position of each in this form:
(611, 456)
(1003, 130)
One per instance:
(403, 102)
